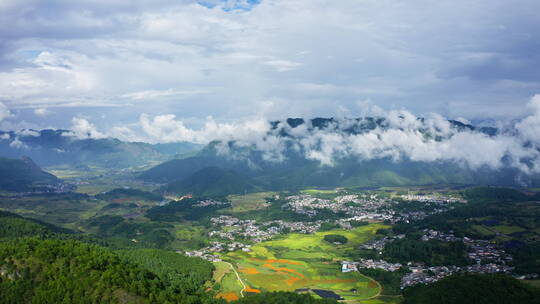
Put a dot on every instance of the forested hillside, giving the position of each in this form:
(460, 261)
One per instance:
(473, 289)
(57, 271)
(23, 175)
(43, 263)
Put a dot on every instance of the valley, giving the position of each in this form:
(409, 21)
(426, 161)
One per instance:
(320, 237)
(277, 241)
(269, 152)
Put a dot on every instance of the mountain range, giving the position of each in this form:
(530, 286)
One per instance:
(242, 167)
(61, 147)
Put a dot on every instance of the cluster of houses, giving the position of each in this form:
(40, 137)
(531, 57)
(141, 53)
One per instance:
(433, 198)
(351, 205)
(361, 207)
(210, 202)
(366, 207)
(379, 264)
(48, 188)
(232, 228)
(208, 253)
(378, 244)
(426, 275)
(487, 258)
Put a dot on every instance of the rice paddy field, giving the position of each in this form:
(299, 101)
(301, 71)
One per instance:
(300, 261)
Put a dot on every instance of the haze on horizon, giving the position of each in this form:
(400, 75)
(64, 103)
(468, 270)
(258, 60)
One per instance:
(124, 68)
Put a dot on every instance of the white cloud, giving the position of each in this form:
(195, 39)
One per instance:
(400, 136)
(4, 112)
(164, 128)
(42, 112)
(82, 129)
(28, 132)
(153, 94)
(529, 127)
(17, 144)
(318, 53)
(283, 65)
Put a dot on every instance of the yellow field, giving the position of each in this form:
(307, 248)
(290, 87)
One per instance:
(306, 261)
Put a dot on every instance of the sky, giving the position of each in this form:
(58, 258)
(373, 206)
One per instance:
(143, 70)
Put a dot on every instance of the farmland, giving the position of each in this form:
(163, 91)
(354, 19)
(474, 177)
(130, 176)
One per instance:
(300, 261)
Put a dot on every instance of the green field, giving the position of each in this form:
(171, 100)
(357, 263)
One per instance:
(318, 191)
(482, 230)
(249, 202)
(306, 261)
(226, 281)
(505, 229)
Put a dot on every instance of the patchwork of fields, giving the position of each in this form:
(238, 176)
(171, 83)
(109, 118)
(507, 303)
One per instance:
(300, 261)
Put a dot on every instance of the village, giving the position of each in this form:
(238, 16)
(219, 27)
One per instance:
(370, 207)
(232, 234)
(485, 257)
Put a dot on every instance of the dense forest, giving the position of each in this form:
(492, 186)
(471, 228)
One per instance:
(183, 210)
(474, 289)
(149, 234)
(432, 252)
(335, 238)
(59, 271)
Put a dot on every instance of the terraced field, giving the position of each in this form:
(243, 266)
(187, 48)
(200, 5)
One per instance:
(299, 261)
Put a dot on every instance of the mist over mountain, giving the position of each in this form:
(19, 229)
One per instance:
(364, 152)
(64, 147)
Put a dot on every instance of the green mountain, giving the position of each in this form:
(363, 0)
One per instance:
(296, 171)
(23, 175)
(212, 181)
(61, 147)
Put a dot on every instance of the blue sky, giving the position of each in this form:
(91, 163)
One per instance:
(113, 62)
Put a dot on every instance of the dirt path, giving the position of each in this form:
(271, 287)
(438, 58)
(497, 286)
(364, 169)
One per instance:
(239, 279)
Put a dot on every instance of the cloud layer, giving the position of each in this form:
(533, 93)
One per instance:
(398, 135)
(230, 59)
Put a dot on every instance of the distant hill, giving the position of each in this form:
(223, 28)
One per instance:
(212, 181)
(178, 169)
(58, 147)
(23, 175)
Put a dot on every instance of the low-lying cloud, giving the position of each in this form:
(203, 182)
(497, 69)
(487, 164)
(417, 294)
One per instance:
(399, 135)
